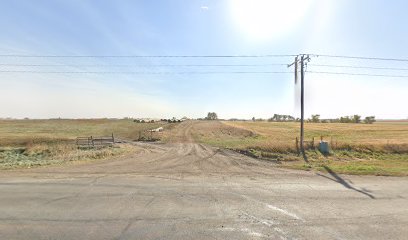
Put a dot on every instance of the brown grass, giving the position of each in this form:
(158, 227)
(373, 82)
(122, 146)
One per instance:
(27, 143)
(377, 149)
(23, 132)
(379, 137)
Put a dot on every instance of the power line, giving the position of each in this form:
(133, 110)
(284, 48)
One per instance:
(358, 67)
(197, 72)
(199, 56)
(363, 58)
(193, 65)
(147, 73)
(360, 74)
(143, 65)
(146, 56)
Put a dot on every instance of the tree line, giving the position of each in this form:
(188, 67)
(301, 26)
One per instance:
(345, 119)
(315, 118)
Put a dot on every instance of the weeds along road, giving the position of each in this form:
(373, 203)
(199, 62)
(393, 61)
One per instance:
(186, 190)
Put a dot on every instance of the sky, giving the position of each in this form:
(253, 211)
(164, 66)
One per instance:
(87, 85)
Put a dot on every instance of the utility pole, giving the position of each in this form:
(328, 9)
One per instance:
(304, 59)
(302, 103)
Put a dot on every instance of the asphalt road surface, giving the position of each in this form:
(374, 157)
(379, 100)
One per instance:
(186, 190)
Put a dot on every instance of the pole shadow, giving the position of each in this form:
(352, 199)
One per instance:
(340, 180)
(305, 157)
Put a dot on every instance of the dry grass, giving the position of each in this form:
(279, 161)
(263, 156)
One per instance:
(377, 149)
(57, 153)
(23, 132)
(380, 137)
(28, 143)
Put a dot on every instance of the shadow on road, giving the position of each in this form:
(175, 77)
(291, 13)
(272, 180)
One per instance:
(340, 180)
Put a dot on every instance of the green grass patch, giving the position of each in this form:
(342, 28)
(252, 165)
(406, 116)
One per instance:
(356, 163)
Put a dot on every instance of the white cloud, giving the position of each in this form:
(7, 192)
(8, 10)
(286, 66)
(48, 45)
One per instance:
(205, 8)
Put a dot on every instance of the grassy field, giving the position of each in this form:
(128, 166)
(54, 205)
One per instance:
(23, 132)
(379, 149)
(28, 143)
(384, 136)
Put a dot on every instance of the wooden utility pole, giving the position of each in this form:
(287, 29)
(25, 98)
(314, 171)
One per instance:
(303, 61)
(302, 103)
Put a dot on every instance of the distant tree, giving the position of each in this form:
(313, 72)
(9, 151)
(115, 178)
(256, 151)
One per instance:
(345, 119)
(276, 118)
(253, 119)
(369, 120)
(356, 119)
(315, 118)
(211, 116)
(281, 118)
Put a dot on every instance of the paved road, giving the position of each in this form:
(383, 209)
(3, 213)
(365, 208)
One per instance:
(186, 190)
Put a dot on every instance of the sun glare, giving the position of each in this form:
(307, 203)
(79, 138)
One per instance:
(267, 19)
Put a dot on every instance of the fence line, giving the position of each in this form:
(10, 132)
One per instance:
(311, 144)
(91, 142)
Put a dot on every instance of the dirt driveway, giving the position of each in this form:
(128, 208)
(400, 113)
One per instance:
(185, 190)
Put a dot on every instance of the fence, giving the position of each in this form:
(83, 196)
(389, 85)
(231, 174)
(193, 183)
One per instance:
(91, 142)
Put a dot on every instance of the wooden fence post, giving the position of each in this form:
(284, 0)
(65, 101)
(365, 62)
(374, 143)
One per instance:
(297, 145)
(313, 143)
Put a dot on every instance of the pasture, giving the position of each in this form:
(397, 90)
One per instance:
(379, 149)
(28, 143)
(376, 149)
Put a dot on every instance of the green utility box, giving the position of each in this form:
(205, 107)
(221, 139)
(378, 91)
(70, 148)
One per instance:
(324, 147)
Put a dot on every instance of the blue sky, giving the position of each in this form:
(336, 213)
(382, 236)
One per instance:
(199, 27)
